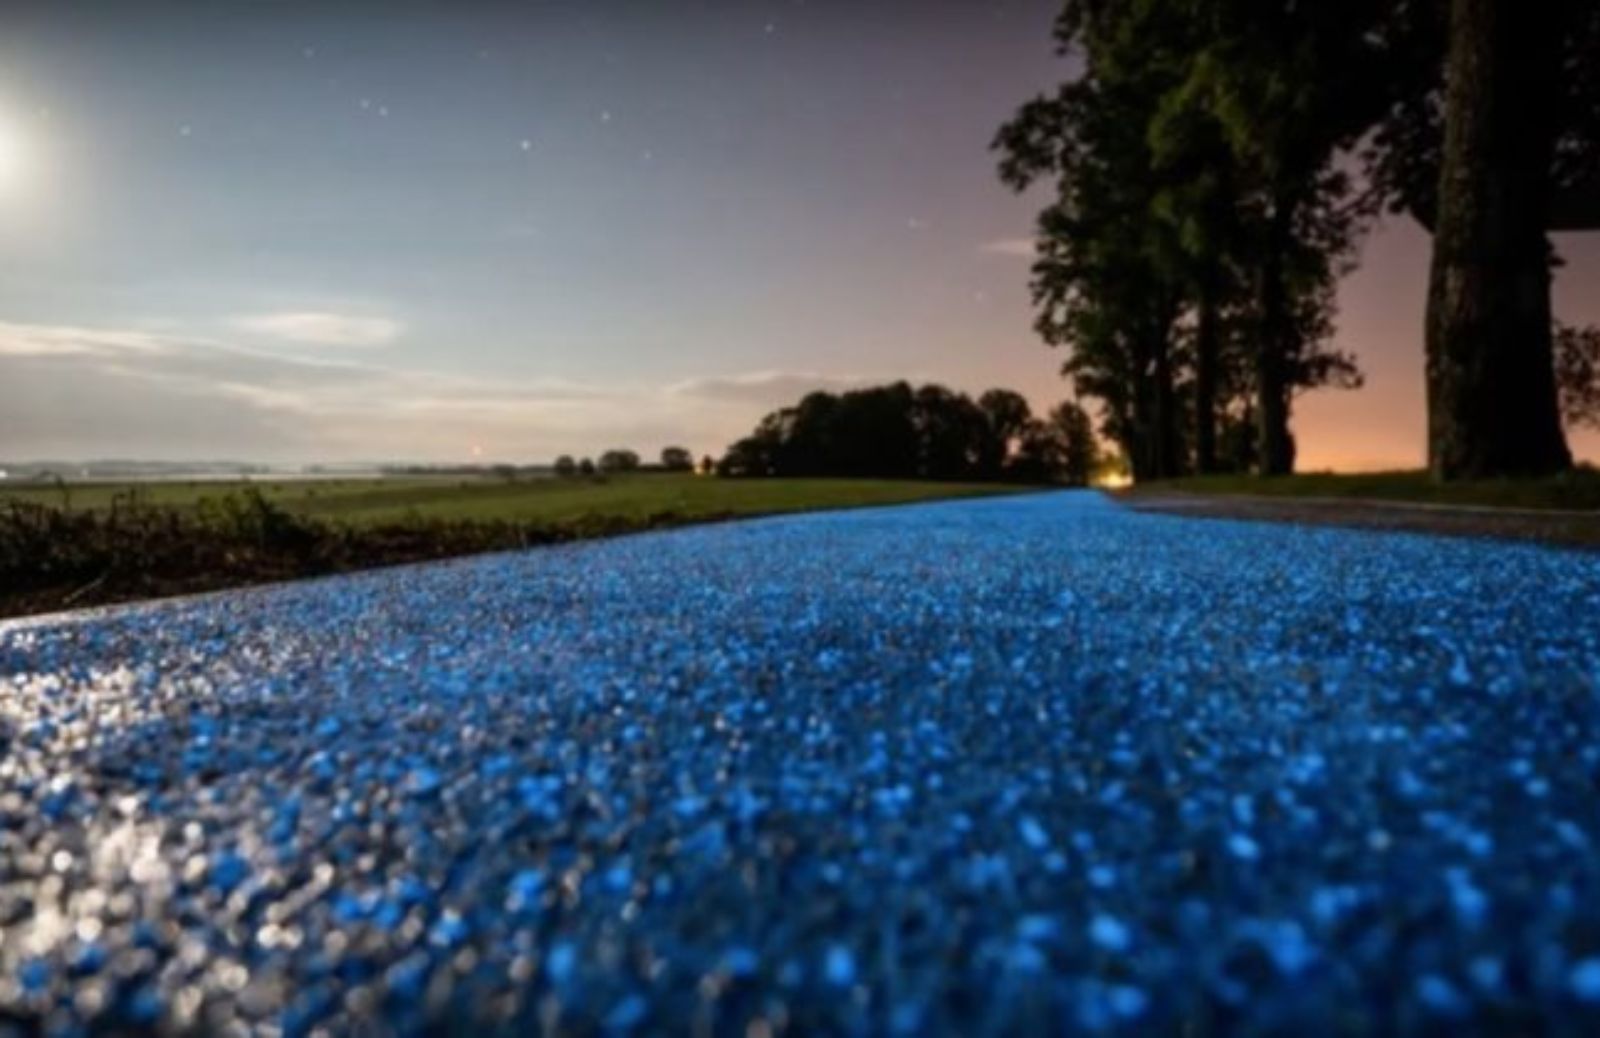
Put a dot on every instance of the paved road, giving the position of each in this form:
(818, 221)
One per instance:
(1002, 766)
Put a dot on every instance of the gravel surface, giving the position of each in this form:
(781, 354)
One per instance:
(1017, 765)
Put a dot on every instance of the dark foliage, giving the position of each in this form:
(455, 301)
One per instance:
(1200, 221)
(53, 558)
(932, 432)
(677, 459)
(619, 460)
(1578, 375)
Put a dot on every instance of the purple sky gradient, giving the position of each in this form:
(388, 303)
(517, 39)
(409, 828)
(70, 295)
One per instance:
(409, 230)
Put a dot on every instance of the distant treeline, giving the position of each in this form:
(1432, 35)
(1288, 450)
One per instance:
(931, 432)
(621, 459)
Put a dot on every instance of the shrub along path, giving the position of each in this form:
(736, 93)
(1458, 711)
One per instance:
(98, 543)
(1014, 765)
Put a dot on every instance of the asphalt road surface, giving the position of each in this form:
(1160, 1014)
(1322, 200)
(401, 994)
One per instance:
(1016, 765)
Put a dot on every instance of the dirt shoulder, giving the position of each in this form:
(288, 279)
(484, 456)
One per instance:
(1568, 529)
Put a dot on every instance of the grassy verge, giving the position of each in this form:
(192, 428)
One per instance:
(1577, 490)
(97, 544)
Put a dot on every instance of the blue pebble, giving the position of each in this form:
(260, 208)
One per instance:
(839, 966)
(741, 961)
(1585, 979)
(423, 781)
(626, 1014)
(562, 962)
(524, 890)
(1440, 996)
(1127, 1001)
(227, 871)
(1110, 933)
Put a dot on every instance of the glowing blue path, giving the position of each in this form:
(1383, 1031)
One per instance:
(999, 766)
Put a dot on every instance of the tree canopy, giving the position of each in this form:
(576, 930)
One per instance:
(1188, 261)
(677, 459)
(1208, 195)
(931, 432)
(619, 460)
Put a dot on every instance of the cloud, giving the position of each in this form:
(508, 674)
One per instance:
(74, 392)
(47, 340)
(322, 329)
(1020, 247)
(765, 387)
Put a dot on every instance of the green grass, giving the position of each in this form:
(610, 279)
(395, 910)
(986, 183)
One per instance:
(289, 493)
(1579, 489)
(92, 544)
(536, 500)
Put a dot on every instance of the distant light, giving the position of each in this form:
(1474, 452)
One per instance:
(13, 155)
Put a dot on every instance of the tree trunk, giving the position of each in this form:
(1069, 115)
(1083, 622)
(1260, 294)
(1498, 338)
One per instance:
(1142, 449)
(1140, 455)
(1492, 405)
(1166, 414)
(1206, 341)
(1274, 447)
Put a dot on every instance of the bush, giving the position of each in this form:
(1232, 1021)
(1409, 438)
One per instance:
(51, 558)
(619, 461)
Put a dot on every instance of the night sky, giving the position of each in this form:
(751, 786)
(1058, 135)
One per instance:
(287, 231)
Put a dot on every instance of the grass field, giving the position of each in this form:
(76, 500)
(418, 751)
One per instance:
(366, 501)
(1577, 490)
(94, 543)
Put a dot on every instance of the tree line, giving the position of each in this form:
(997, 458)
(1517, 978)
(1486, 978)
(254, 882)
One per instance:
(930, 432)
(621, 459)
(1215, 163)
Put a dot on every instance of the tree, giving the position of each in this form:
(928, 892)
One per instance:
(677, 459)
(1079, 451)
(1039, 455)
(1494, 142)
(952, 433)
(1492, 402)
(586, 467)
(619, 460)
(1098, 286)
(891, 431)
(1196, 193)
(1578, 375)
(1058, 449)
(1293, 87)
(565, 466)
(873, 433)
(1006, 414)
